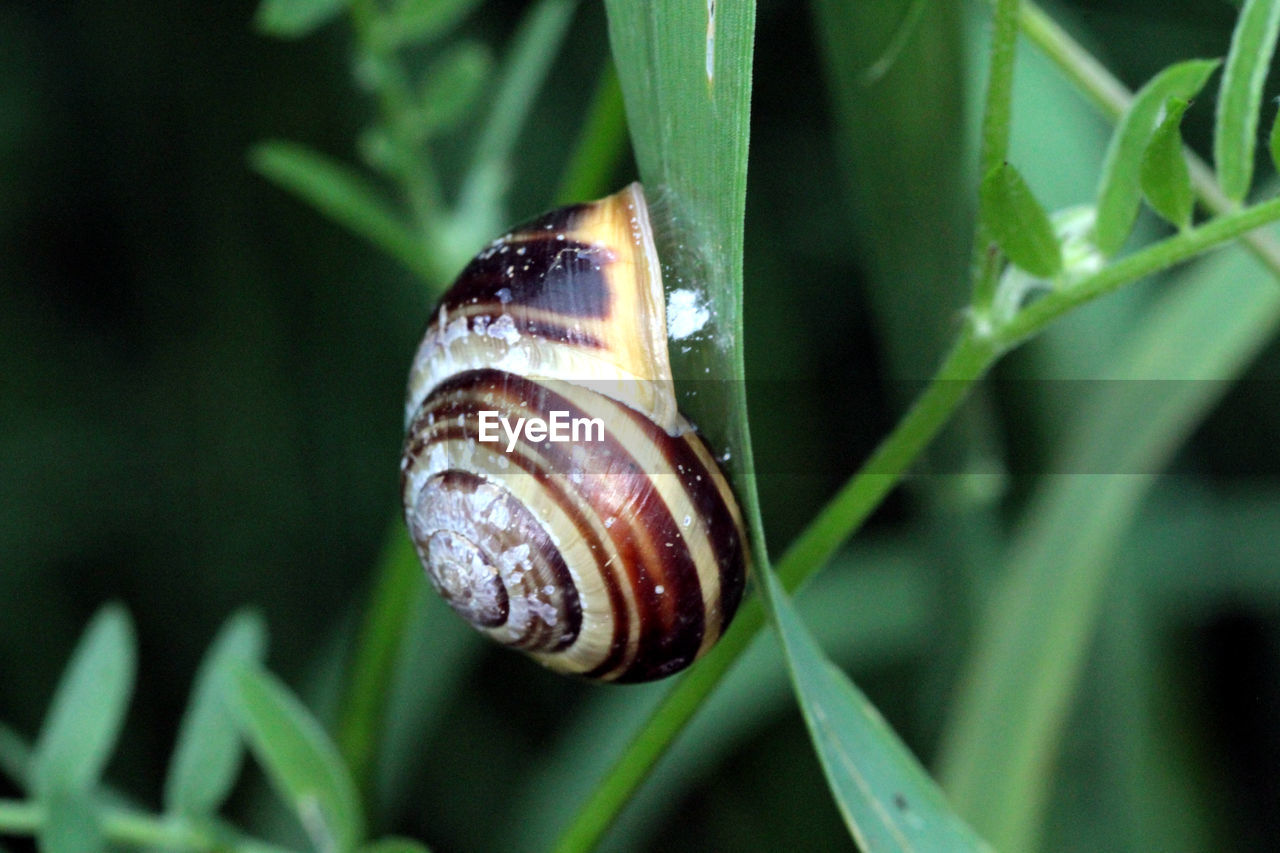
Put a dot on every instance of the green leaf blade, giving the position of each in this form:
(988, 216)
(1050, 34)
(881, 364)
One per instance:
(886, 798)
(1165, 176)
(1119, 190)
(1240, 98)
(294, 19)
(208, 754)
(1018, 223)
(87, 713)
(345, 196)
(300, 760)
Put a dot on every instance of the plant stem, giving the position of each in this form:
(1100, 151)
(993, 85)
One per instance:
(133, 828)
(1142, 263)
(20, 817)
(996, 119)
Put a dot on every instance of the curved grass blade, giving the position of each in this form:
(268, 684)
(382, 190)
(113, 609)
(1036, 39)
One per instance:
(299, 759)
(1165, 176)
(886, 798)
(88, 709)
(999, 747)
(1240, 97)
(207, 757)
(1119, 191)
(685, 70)
(1018, 223)
(345, 196)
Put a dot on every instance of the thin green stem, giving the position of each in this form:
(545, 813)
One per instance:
(20, 817)
(1112, 97)
(122, 826)
(996, 120)
(1142, 263)
(968, 360)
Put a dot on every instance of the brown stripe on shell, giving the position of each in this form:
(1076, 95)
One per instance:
(690, 457)
(539, 270)
(652, 548)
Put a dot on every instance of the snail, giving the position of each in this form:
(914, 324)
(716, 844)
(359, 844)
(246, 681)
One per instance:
(556, 498)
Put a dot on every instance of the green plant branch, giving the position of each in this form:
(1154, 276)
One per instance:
(395, 98)
(123, 826)
(1112, 97)
(996, 121)
(1144, 262)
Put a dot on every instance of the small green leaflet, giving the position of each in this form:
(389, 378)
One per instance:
(1018, 223)
(1165, 177)
(88, 709)
(300, 760)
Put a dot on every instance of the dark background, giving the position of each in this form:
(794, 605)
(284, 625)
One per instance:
(200, 404)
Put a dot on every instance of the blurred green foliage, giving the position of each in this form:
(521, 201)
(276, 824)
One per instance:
(202, 400)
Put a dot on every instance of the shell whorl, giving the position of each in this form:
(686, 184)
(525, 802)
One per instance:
(619, 555)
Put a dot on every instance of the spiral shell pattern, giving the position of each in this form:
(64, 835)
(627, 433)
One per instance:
(618, 555)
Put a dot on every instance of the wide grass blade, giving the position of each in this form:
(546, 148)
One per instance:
(300, 760)
(1240, 97)
(1001, 742)
(886, 798)
(209, 750)
(88, 709)
(685, 70)
(1119, 191)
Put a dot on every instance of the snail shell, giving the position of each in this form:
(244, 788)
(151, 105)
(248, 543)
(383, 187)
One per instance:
(618, 555)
